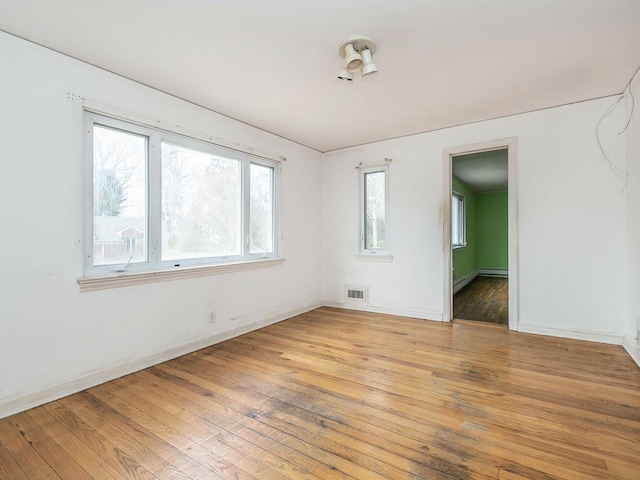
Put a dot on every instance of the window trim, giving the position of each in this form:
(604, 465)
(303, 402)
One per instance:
(462, 221)
(154, 266)
(89, 284)
(363, 251)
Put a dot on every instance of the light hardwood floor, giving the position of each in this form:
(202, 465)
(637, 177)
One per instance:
(342, 394)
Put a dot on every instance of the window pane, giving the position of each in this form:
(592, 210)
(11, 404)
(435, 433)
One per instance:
(201, 204)
(455, 220)
(375, 215)
(119, 197)
(261, 209)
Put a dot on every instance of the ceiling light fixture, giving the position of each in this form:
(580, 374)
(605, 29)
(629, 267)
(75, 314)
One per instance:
(352, 59)
(368, 66)
(357, 51)
(345, 74)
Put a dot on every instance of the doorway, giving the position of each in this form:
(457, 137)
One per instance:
(479, 236)
(480, 233)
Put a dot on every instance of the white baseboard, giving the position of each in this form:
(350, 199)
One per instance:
(632, 348)
(493, 272)
(25, 401)
(400, 312)
(573, 333)
(464, 282)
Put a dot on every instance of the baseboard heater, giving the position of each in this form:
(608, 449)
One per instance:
(460, 284)
(493, 272)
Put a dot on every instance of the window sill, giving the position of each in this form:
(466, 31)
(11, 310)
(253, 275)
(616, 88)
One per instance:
(88, 284)
(456, 247)
(372, 257)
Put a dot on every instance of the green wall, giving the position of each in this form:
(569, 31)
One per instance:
(465, 260)
(492, 233)
(487, 233)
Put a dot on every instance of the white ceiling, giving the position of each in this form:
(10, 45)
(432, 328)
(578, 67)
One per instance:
(483, 172)
(273, 64)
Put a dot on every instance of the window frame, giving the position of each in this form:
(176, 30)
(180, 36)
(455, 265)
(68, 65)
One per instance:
(363, 250)
(461, 220)
(153, 184)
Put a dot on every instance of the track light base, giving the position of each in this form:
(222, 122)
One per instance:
(361, 41)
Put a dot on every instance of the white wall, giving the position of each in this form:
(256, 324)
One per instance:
(571, 221)
(632, 343)
(50, 333)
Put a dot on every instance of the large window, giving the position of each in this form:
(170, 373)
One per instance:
(158, 201)
(374, 233)
(458, 220)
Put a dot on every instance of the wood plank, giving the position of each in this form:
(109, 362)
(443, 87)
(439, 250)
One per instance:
(246, 428)
(507, 475)
(439, 402)
(346, 394)
(485, 299)
(310, 399)
(116, 460)
(25, 454)
(83, 409)
(9, 466)
(88, 459)
(47, 447)
(465, 443)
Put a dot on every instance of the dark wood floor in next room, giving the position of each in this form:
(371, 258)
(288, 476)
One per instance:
(338, 394)
(485, 299)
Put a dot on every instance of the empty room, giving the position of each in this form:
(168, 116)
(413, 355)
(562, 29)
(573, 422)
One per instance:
(318, 240)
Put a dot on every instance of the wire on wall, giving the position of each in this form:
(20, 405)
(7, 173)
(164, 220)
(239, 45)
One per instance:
(633, 107)
(621, 173)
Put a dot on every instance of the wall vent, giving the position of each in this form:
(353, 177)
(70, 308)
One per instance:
(356, 294)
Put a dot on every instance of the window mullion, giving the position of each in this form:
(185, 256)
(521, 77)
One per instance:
(363, 209)
(246, 206)
(386, 209)
(154, 192)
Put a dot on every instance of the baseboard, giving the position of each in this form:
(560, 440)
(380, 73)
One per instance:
(632, 348)
(572, 333)
(400, 312)
(25, 401)
(464, 282)
(493, 272)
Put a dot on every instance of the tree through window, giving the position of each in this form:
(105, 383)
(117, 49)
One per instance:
(162, 201)
(374, 229)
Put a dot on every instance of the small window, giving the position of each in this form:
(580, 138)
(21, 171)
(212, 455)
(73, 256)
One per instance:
(458, 220)
(374, 236)
(157, 201)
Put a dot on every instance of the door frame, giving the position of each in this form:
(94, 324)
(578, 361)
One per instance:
(510, 144)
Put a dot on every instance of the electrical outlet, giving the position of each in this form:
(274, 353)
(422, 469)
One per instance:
(212, 317)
